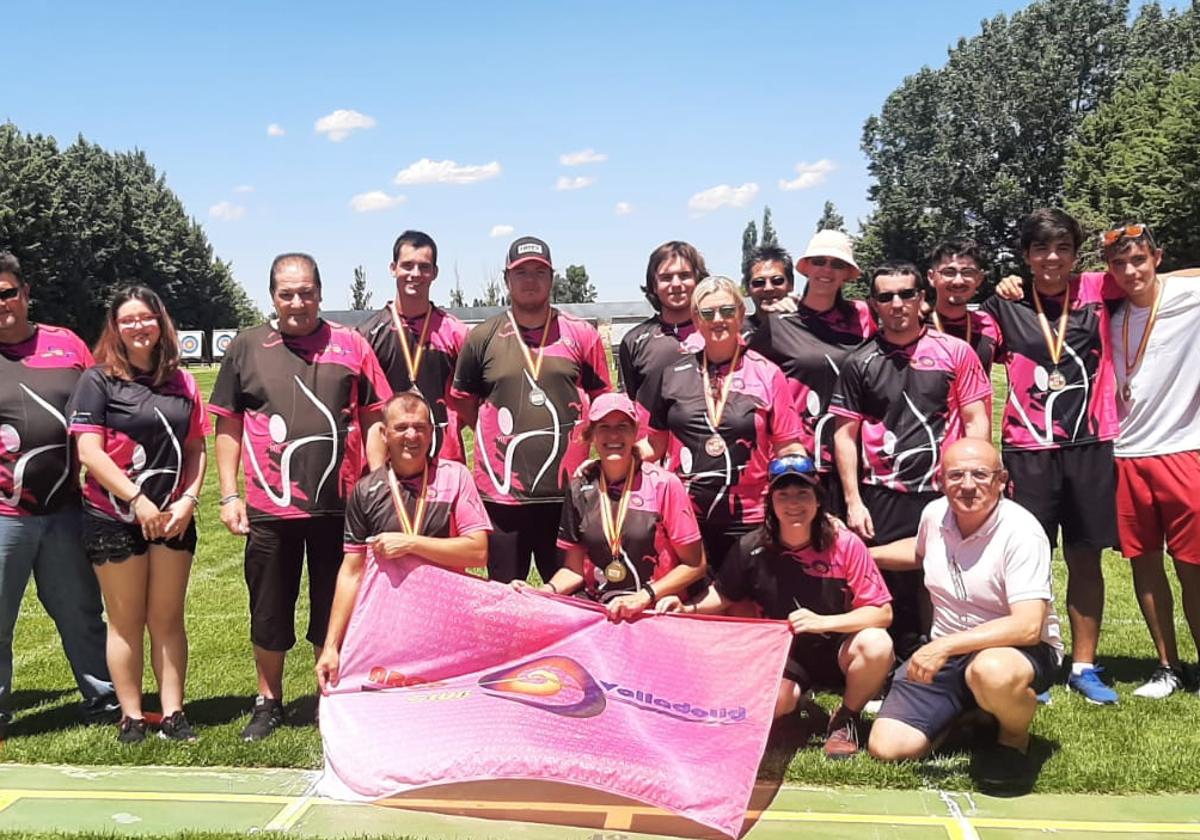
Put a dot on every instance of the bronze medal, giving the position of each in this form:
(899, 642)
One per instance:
(1056, 381)
(1054, 343)
(715, 446)
(615, 571)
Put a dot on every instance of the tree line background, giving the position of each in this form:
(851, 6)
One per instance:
(1070, 103)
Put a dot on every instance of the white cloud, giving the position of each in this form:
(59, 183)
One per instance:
(722, 196)
(426, 171)
(369, 202)
(565, 183)
(810, 174)
(227, 211)
(502, 230)
(581, 157)
(623, 208)
(243, 188)
(275, 130)
(341, 123)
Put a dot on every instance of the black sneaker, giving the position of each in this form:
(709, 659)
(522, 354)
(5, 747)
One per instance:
(1001, 767)
(266, 718)
(131, 731)
(175, 727)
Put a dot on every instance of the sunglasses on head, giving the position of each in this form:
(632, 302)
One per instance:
(10, 293)
(833, 262)
(791, 465)
(727, 312)
(1110, 237)
(761, 282)
(903, 294)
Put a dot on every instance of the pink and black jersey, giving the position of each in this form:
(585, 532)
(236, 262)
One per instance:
(758, 416)
(1084, 410)
(659, 517)
(909, 400)
(452, 507)
(435, 375)
(652, 345)
(809, 347)
(836, 580)
(984, 335)
(37, 377)
(526, 442)
(144, 428)
(299, 398)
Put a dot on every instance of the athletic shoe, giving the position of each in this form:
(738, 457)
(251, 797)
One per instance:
(841, 740)
(1164, 682)
(266, 718)
(175, 727)
(1044, 699)
(1088, 684)
(1001, 766)
(131, 731)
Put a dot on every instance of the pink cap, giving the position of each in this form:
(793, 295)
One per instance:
(606, 404)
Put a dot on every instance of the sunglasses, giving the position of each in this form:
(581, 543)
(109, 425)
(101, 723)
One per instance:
(727, 312)
(10, 293)
(1110, 237)
(832, 262)
(762, 282)
(903, 294)
(791, 465)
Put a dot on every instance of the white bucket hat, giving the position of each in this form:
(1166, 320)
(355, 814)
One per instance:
(829, 243)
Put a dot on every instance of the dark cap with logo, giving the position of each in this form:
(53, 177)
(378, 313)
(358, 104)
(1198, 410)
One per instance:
(528, 249)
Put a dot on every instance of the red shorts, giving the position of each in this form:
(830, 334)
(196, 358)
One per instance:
(1158, 501)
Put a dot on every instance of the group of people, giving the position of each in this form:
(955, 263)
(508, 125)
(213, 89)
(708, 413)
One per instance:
(822, 461)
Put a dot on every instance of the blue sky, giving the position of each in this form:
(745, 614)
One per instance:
(694, 115)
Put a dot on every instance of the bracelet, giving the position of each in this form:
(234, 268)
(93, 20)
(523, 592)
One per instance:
(135, 497)
(195, 499)
(232, 497)
(650, 591)
(553, 588)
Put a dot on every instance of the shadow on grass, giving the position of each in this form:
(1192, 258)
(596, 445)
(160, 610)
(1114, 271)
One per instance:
(1133, 669)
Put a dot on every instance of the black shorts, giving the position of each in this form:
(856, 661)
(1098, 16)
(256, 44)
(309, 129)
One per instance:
(719, 538)
(1074, 487)
(106, 541)
(275, 552)
(931, 708)
(521, 531)
(895, 514)
(813, 661)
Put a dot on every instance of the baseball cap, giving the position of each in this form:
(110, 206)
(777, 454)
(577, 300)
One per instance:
(606, 404)
(527, 249)
(830, 243)
(797, 466)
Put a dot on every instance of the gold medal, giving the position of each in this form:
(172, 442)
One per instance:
(715, 446)
(412, 526)
(615, 572)
(714, 406)
(612, 524)
(1056, 381)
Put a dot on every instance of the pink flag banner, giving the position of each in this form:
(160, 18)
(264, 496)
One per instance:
(449, 678)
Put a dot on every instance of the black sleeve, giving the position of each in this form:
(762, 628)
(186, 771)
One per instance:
(89, 402)
(847, 391)
(733, 580)
(631, 380)
(570, 525)
(468, 373)
(227, 392)
(650, 396)
(357, 528)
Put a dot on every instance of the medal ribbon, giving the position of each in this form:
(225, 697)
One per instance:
(716, 407)
(1054, 344)
(534, 364)
(937, 325)
(413, 362)
(411, 526)
(1130, 367)
(612, 525)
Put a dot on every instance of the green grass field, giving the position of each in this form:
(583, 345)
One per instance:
(1139, 745)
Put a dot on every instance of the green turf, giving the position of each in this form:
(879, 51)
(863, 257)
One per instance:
(1139, 745)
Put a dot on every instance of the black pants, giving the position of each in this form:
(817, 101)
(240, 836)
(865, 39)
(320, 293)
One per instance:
(519, 531)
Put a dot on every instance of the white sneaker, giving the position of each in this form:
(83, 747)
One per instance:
(1163, 682)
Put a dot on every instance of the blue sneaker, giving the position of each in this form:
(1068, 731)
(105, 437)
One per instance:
(1044, 699)
(1090, 686)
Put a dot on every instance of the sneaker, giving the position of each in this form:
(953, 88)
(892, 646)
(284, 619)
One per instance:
(266, 718)
(175, 727)
(1001, 766)
(1044, 699)
(841, 740)
(1164, 682)
(131, 731)
(1089, 685)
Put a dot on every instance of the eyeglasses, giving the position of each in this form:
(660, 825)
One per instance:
(410, 267)
(833, 262)
(10, 293)
(1110, 237)
(949, 273)
(791, 465)
(137, 323)
(978, 475)
(903, 294)
(761, 282)
(727, 312)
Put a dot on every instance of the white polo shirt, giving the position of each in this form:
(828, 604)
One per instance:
(975, 579)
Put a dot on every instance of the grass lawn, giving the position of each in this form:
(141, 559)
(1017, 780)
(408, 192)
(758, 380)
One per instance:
(1139, 745)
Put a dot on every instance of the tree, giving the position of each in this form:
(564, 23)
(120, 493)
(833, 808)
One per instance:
(749, 242)
(574, 287)
(831, 219)
(494, 292)
(457, 301)
(85, 222)
(769, 236)
(360, 296)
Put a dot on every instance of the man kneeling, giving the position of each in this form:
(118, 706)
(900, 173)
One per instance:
(995, 638)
